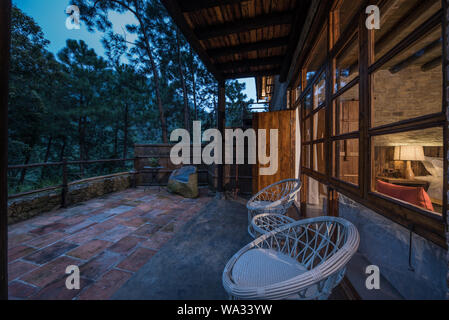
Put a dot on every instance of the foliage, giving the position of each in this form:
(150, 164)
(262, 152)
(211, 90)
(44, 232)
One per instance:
(81, 106)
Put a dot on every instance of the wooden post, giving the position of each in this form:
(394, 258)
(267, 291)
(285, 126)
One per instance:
(5, 43)
(221, 120)
(446, 128)
(65, 184)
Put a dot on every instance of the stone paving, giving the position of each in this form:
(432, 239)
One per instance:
(108, 238)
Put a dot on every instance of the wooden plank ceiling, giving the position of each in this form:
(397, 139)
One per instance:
(241, 38)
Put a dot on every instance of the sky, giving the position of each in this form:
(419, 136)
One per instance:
(51, 17)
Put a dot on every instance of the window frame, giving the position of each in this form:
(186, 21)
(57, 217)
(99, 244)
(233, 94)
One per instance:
(430, 226)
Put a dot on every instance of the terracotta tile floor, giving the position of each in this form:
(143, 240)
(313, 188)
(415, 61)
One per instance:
(108, 238)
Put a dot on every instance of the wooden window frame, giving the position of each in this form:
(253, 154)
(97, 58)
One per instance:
(429, 226)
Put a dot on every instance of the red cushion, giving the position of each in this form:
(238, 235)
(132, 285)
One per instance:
(417, 196)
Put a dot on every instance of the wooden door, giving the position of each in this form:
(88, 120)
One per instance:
(285, 122)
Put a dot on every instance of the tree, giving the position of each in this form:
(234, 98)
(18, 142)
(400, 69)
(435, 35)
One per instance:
(96, 15)
(87, 76)
(80, 106)
(29, 60)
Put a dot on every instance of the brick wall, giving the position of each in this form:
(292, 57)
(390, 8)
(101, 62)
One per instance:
(407, 94)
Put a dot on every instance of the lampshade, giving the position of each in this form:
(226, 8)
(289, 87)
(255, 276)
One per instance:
(409, 153)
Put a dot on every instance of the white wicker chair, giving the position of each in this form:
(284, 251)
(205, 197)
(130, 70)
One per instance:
(275, 199)
(302, 260)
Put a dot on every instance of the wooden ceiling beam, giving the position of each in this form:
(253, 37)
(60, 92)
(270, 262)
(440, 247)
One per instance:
(251, 74)
(197, 5)
(301, 12)
(417, 55)
(173, 9)
(244, 25)
(432, 64)
(399, 27)
(248, 47)
(232, 65)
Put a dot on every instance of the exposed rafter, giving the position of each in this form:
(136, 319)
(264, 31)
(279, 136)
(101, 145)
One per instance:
(244, 25)
(196, 31)
(413, 14)
(196, 5)
(176, 14)
(232, 65)
(301, 12)
(432, 64)
(243, 48)
(251, 74)
(417, 55)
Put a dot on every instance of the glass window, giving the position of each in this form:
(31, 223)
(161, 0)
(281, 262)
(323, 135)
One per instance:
(409, 166)
(308, 103)
(411, 84)
(398, 21)
(319, 163)
(298, 88)
(319, 124)
(342, 16)
(346, 160)
(319, 91)
(306, 156)
(307, 130)
(317, 56)
(346, 112)
(314, 195)
(347, 64)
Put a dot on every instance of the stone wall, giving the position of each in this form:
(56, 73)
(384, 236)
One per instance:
(28, 206)
(386, 244)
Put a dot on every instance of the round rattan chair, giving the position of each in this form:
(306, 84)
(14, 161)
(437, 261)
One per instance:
(267, 222)
(303, 260)
(275, 199)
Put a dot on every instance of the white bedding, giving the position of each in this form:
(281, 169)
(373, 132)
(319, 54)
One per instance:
(435, 167)
(436, 186)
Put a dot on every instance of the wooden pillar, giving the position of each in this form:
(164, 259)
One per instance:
(221, 120)
(5, 42)
(446, 129)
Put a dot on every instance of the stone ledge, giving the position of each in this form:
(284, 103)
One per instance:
(28, 206)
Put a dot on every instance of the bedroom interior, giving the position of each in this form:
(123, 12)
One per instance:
(408, 86)
(374, 132)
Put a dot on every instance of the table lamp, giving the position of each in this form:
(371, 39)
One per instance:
(409, 154)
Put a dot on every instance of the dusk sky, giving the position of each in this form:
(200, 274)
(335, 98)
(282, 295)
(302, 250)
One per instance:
(51, 17)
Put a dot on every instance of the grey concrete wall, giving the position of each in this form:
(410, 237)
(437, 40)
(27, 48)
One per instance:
(386, 244)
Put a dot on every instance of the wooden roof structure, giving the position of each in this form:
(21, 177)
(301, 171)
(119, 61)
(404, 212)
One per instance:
(265, 88)
(241, 38)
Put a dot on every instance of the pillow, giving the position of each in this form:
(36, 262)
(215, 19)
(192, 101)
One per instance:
(413, 195)
(438, 164)
(429, 167)
(434, 166)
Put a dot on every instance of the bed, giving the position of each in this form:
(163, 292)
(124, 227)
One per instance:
(435, 166)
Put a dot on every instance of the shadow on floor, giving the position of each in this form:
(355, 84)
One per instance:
(190, 265)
